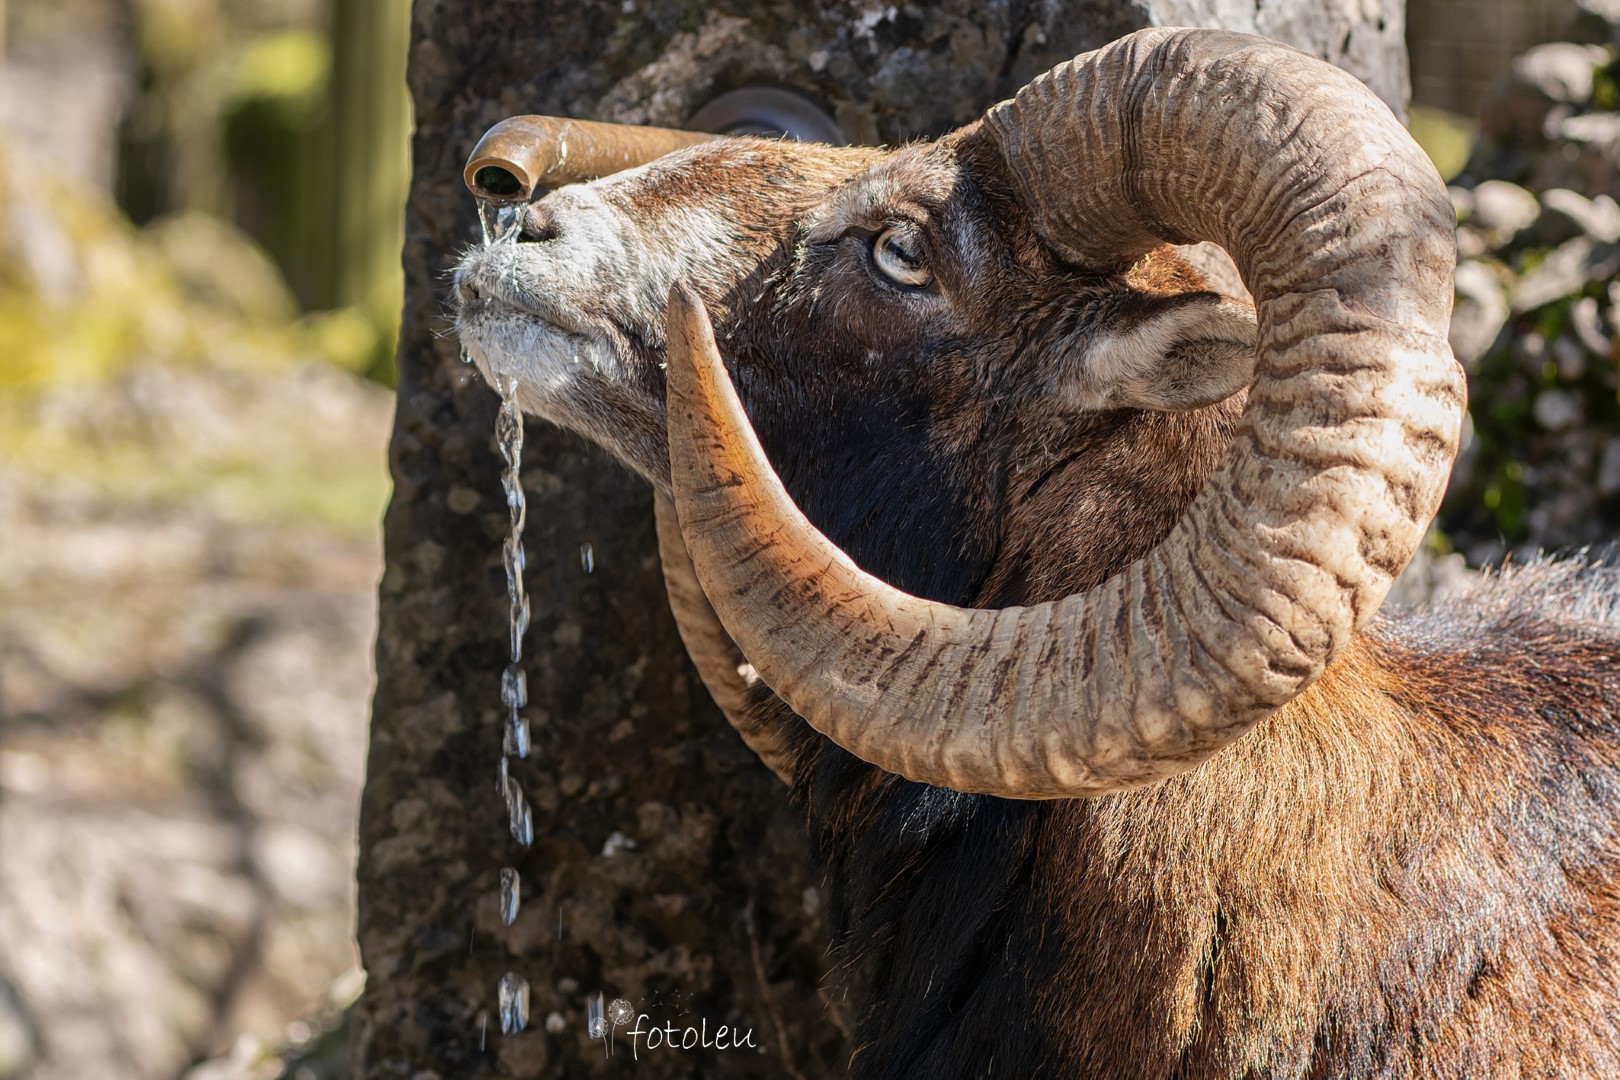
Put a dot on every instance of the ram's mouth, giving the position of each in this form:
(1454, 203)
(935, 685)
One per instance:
(517, 351)
(492, 284)
(497, 317)
(523, 340)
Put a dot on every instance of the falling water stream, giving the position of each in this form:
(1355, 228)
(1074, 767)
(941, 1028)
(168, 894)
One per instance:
(500, 225)
(514, 989)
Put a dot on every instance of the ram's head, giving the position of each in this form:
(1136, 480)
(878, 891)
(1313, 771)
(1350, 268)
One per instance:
(974, 364)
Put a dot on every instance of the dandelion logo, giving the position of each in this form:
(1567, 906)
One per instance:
(604, 1022)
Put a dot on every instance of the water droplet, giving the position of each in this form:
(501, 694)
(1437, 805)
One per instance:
(514, 687)
(516, 740)
(594, 1024)
(513, 557)
(509, 430)
(587, 557)
(507, 220)
(511, 893)
(514, 991)
(520, 626)
(520, 818)
(513, 995)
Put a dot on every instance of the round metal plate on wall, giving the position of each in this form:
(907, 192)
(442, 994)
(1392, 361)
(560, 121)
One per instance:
(769, 111)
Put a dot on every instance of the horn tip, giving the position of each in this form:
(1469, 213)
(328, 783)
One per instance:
(683, 298)
(688, 320)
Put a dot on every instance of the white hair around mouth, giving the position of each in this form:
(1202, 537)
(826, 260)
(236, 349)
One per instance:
(544, 361)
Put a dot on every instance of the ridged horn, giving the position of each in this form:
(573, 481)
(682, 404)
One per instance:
(523, 153)
(718, 661)
(1343, 231)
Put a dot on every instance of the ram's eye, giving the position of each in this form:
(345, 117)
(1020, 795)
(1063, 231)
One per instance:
(895, 253)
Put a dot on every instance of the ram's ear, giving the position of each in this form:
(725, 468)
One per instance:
(1169, 354)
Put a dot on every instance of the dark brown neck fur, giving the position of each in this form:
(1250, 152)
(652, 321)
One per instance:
(1394, 874)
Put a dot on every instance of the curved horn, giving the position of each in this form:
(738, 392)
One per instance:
(718, 661)
(523, 153)
(1344, 233)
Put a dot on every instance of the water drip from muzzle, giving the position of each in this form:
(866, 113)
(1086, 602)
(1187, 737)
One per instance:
(515, 160)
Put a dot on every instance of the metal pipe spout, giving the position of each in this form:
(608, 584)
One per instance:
(522, 154)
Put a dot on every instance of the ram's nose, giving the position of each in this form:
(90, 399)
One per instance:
(524, 153)
(464, 290)
(484, 277)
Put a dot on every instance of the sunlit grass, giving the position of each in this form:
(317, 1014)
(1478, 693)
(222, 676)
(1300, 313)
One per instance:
(347, 493)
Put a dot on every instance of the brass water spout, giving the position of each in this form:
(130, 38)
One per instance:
(525, 153)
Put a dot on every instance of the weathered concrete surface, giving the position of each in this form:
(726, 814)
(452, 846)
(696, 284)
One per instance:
(707, 902)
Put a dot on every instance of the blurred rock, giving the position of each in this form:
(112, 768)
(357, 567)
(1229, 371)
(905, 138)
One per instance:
(1480, 313)
(1567, 214)
(16, 1040)
(1564, 270)
(1608, 475)
(1556, 410)
(1569, 358)
(1542, 227)
(1596, 22)
(249, 1059)
(1519, 102)
(1462, 203)
(1587, 156)
(38, 246)
(86, 78)
(189, 509)
(1501, 210)
(1470, 244)
(1588, 323)
(183, 694)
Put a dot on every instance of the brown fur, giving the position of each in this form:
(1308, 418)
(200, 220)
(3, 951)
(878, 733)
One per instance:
(1411, 870)
(1359, 862)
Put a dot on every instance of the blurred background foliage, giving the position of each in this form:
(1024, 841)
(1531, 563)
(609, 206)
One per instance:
(201, 209)
(213, 183)
(257, 174)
